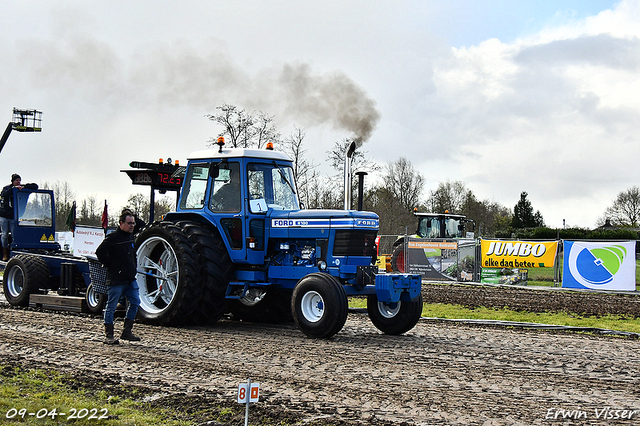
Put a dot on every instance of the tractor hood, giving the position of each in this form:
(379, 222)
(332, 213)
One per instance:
(316, 223)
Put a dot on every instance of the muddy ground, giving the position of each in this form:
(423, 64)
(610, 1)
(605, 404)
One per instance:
(439, 373)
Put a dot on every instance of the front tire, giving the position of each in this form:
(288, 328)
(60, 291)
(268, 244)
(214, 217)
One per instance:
(23, 276)
(394, 318)
(95, 301)
(319, 305)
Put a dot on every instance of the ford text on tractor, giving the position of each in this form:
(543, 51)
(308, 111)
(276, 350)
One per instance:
(240, 244)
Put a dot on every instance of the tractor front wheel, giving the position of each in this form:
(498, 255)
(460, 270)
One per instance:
(95, 301)
(319, 305)
(394, 318)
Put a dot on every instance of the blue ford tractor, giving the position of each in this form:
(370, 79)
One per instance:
(239, 243)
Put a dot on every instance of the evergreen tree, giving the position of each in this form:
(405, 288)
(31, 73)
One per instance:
(523, 216)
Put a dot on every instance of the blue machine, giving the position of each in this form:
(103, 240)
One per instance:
(239, 243)
(38, 265)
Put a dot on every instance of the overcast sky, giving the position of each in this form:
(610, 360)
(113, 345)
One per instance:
(505, 96)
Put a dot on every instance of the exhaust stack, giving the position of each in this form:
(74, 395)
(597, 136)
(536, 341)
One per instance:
(361, 176)
(347, 175)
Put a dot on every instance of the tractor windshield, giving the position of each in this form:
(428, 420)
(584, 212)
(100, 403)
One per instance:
(453, 228)
(440, 226)
(271, 186)
(429, 227)
(34, 209)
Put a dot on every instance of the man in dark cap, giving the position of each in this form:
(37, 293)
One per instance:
(117, 253)
(7, 221)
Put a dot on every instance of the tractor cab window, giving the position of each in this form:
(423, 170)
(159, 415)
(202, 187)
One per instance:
(34, 209)
(429, 227)
(271, 186)
(452, 228)
(195, 187)
(226, 193)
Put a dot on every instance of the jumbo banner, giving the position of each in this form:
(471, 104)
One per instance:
(518, 254)
(598, 265)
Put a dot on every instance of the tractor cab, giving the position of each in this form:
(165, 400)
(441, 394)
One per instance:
(34, 212)
(239, 190)
(442, 225)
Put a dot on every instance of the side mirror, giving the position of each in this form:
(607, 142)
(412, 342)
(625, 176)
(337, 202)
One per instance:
(214, 170)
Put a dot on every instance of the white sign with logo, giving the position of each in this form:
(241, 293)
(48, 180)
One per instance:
(86, 240)
(599, 265)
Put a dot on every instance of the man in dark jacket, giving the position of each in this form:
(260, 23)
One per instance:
(7, 221)
(117, 253)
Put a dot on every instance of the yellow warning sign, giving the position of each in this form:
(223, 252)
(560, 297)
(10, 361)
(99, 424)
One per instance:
(43, 238)
(51, 239)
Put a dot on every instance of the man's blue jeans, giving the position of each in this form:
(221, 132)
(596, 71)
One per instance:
(5, 226)
(115, 292)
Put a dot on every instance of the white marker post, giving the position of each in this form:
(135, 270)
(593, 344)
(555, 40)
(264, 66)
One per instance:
(247, 393)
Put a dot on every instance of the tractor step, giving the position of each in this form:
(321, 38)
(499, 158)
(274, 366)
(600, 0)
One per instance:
(58, 303)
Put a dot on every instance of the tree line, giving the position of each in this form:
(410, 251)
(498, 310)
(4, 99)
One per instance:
(394, 196)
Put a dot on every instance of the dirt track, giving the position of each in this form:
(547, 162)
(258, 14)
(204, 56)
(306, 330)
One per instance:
(439, 373)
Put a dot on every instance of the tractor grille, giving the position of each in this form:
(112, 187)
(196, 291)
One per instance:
(355, 243)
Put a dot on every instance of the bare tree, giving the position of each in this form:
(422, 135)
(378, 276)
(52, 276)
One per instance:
(406, 183)
(625, 210)
(303, 170)
(359, 160)
(449, 196)
(396, 197)
(265, 130)
(243, 129)
(456, 198)
(139, 205)
(237, 124)
(64, 198)
(89, 214)
(359, 163)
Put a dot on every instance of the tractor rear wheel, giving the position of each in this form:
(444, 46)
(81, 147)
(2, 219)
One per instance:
(319, 305)
(23, 276)
(394, 318)
(183, 272)
(397, 259)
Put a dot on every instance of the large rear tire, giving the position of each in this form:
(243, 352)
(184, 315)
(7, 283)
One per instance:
(24, 275)
(394, 318)
(319, 305)
(183, 273)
